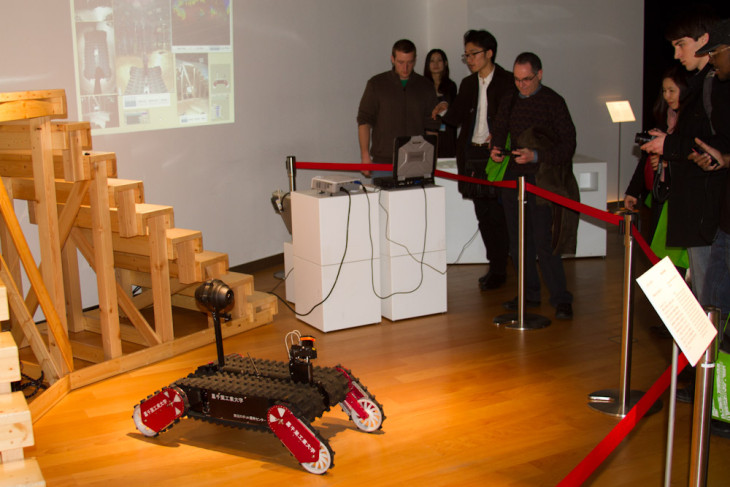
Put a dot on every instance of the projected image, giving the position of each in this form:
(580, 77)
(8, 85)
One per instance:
(162, 63)
(201, 22)
(100, 110)
(192, 87)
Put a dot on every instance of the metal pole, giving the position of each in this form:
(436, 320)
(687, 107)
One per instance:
(520, 320)
(619, 402)
(672, 415)
(627, 315)
(291, 171)
(704, 381)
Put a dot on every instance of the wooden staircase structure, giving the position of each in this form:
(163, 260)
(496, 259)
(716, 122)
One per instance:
(78, 204)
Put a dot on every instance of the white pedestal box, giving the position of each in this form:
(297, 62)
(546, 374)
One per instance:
(321, 234)
(352, 302)
(403, 274)
(407, 217)
(591, 177)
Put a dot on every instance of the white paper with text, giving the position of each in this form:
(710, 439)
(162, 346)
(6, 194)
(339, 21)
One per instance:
(679, 310)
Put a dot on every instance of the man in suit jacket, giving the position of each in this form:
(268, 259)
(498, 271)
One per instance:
(474, 109)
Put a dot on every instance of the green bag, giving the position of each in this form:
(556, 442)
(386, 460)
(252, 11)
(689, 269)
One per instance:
(495, 170)
(720, 408)
(678, 255)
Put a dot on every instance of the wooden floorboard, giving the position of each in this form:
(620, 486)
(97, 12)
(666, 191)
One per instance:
(467, 402)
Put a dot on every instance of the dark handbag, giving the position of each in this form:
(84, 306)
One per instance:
(660, 191)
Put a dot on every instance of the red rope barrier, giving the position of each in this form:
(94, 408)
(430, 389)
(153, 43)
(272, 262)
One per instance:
(586, 467)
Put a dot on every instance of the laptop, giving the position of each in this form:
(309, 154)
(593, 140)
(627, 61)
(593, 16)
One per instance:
(414, 162)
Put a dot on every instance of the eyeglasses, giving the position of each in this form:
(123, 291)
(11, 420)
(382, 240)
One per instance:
(525, 80)
(468, 55)
(714, 53)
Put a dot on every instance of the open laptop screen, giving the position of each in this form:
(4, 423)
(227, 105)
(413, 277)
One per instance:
(414, 159)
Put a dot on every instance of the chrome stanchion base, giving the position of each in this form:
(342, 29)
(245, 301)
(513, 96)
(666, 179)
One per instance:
(529, 321)
(607, 401)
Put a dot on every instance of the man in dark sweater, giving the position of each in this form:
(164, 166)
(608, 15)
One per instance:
(474, 109)
(543, 139)
(396, 103)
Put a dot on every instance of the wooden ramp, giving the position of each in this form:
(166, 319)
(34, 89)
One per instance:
(140, 258)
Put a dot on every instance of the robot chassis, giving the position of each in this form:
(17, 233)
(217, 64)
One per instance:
(263, 395)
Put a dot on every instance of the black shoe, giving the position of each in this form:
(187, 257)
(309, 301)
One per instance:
(720, 428)
(512, 305)
(564, 311)
(686, 394)
(492, 281)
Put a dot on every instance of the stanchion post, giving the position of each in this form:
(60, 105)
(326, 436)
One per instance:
(291, 171)
(704, 382)
(520, 320)
(619, 402)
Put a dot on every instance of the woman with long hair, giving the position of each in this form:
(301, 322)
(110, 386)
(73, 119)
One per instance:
(437, 70)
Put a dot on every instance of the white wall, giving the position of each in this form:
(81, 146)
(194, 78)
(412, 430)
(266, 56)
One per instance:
(300, 68)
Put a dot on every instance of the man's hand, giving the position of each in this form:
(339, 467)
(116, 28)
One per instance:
(496, 154)
(705, 161)
(656, 145)
(439, 109)
(523, 156)
(365, 159)
(630, 202)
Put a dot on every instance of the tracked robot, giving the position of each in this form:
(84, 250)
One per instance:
(265, 395)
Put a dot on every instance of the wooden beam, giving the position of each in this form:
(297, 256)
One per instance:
(47, 218)
(21, 105)
(104, 259)
(160, 274)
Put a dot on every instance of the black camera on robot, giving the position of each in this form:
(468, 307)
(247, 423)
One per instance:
(642, 138)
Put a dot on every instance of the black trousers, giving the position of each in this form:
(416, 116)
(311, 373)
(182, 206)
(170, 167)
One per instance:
(493, 228)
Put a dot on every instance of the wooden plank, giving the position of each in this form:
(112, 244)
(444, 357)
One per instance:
(25, 473)
(160, 275)
(72, 289)
(15, 422)
(9, 364)
(57, 330)
(47, 217)
(16, 137)
(104, 260)
(30, 104)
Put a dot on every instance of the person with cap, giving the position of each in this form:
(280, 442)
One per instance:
(694, 194)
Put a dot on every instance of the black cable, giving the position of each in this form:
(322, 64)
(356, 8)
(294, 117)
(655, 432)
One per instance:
(339, 269)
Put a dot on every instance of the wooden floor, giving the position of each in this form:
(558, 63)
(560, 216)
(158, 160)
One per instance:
(467, 403)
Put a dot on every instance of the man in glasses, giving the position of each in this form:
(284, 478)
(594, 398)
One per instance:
(543, 144)
(395, 103)
(474, 109)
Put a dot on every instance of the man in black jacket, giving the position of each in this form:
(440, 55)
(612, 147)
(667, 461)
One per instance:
(474, 109)
(694, 197)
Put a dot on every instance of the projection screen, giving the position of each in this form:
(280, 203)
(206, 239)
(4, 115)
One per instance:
(153, 64)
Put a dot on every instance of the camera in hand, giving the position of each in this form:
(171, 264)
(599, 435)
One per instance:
(642, 138)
